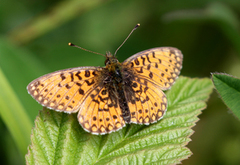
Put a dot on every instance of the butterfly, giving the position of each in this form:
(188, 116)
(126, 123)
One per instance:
(107, 98)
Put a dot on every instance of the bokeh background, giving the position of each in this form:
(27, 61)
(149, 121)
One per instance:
(34, 37)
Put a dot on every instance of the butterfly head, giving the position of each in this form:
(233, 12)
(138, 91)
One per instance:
(110, 59)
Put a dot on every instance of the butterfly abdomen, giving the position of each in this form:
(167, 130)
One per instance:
(118, 82)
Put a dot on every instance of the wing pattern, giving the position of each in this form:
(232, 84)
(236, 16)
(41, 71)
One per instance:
(64, 90)
(145, 75)
(100, 112)
(160, 66)
(80, 89)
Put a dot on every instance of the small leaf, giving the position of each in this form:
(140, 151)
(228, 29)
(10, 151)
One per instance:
(228, 88)
(58, 138)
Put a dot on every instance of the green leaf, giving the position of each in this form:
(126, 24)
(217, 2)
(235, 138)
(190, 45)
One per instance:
(228, 88)
(58, 138)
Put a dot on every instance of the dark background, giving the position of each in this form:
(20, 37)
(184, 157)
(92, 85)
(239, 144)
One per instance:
(206, 31)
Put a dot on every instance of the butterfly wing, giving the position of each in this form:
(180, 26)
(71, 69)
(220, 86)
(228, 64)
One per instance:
(80, 89)
(64, 90)
(146, 74)
(147, 102)
(160, 66)
(100, 112)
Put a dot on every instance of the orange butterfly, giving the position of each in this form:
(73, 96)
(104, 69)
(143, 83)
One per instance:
(107, 98)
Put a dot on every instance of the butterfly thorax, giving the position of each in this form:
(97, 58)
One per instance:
(116, 82)
(114, 69)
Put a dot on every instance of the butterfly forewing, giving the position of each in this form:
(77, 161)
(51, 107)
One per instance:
(160, 65)
(64, 90)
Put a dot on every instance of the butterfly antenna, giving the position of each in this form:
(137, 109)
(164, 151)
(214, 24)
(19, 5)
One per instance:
(126, 38)
(71, 44)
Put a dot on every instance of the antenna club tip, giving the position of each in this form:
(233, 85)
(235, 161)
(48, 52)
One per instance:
(70, 44)
(137, 25)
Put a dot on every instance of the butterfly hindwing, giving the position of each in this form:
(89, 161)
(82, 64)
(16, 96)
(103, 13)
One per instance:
(100, 112)
(147, 103)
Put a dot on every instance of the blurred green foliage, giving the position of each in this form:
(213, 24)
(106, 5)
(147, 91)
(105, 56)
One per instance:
(34, 37)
